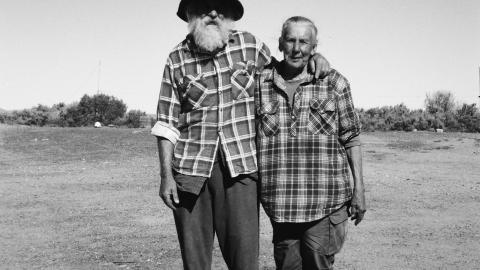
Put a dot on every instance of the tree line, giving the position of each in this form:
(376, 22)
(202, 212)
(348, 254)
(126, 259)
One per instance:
(441, 112)
(108, 110)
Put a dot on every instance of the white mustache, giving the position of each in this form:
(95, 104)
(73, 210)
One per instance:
(212, 22)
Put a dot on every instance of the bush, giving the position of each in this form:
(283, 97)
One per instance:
(5, 118)
(73, 117)
(133, 119)
(36, 116)
(98, 108)
(90, 109)
(468, 118)
(440, 102)
(440, 113)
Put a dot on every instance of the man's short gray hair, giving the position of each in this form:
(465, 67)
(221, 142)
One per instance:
(299, 19)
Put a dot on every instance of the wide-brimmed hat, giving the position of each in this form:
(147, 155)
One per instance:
(235, 6)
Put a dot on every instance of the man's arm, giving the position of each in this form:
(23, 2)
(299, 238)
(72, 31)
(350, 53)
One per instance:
(319, 66)
(168, 187)
(167, 134)
(357, 206)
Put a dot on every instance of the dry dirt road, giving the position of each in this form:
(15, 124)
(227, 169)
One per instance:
(86, 198)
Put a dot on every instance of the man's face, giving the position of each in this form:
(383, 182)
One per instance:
(297, 45)
(209, 27)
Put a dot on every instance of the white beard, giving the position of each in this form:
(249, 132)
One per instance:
(210, 37)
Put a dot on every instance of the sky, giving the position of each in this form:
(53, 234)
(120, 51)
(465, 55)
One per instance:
(391, 51)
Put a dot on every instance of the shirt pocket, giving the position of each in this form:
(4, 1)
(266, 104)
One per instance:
(242, 84)
(323, 116)
(193, 92)
(269, 118)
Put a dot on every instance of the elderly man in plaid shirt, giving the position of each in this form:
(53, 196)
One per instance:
(206, 135)
(307, 145)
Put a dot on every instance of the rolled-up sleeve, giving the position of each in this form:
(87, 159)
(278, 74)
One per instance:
(348, 120)
(168, 107)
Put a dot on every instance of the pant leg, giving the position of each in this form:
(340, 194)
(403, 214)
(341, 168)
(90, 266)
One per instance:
(194, 222)
(286, 245)
(236, 210)
(323, 239)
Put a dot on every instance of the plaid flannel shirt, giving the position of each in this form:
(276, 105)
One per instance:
(206, 101)
(303, 164)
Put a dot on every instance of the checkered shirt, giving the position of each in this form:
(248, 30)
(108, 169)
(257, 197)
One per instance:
(303, 164)
(206, 101)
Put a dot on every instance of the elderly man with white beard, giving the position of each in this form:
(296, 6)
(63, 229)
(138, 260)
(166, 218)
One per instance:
(206, 135)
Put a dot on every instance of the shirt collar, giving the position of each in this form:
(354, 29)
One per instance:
(278, 80)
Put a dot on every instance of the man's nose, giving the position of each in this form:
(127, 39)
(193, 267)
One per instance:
(296, 46)
(213, 14)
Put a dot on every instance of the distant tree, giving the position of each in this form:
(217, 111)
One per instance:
(468, 117)
(57, 115)
(99, 107)
(441, 112)
(134, 118)
(72, 116)
(467, 110)
(440, 102)
(5, 117)
(441, 105)
(36, 116)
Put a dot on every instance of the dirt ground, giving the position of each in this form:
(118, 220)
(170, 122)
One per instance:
(87, 198)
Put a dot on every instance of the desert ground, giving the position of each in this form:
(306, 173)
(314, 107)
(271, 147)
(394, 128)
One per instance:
(85, 198)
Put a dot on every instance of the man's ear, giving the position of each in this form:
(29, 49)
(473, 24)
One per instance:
(314, 49)
(280, 42)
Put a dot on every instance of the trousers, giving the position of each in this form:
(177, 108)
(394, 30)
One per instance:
(227, 207)
(310, 245)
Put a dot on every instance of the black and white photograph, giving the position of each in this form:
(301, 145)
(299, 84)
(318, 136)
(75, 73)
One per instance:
(240, 134)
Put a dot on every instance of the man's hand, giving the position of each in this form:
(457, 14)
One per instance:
(318, 65)
(357, 207)
(168, 191)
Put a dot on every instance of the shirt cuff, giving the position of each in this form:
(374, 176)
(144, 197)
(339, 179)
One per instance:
(161, 129)
(354, 141)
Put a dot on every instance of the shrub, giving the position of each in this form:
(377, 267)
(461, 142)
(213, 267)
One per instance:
(37, 116)
(133, 119)
(440, 112)
(98, 108)
(468, 117)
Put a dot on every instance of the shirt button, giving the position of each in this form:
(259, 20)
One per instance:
(294, 117)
